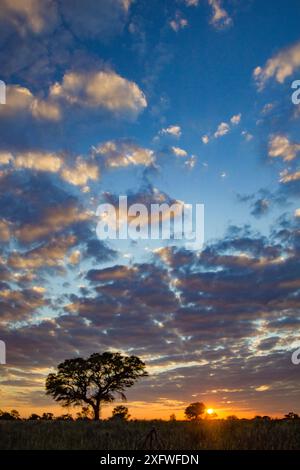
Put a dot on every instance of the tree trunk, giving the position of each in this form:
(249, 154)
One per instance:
(96, 409)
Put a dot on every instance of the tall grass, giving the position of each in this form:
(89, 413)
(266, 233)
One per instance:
(114, 435)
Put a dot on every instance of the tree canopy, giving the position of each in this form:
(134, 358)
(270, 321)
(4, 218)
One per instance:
(195, 410)
(95, 380)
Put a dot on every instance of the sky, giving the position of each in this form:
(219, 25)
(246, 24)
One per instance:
(163, 101)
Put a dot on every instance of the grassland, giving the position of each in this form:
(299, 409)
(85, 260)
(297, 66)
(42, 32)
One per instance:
(152, 435)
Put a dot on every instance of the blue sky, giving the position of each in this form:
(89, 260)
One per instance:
(179, 99)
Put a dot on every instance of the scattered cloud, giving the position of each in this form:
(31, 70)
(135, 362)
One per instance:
(280, 66)
(171, 130)
(220, 17)
(178, 22)
(100, 89)
(123, 154)
(236, 119)
(20, 99)
(179, 152)
(29, 15)
(247, 135)
(280, 146)
(222, 130)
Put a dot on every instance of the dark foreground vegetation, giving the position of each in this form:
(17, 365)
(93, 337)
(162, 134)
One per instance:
(152, 435)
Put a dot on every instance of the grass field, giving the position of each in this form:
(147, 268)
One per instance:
(151, 435)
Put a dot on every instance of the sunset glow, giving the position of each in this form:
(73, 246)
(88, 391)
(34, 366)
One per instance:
(146, 109)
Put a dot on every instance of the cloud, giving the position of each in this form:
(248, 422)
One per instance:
(5, 158)
(220, 17)
(179, 152)
(98, 90)
(222, 130)
(29, 15)
(40, 161)
(52, 221)
(178, 22)
(191, 3)
(172, 130)
(286, 177)
(20, 99)
(280, 66)
(280, 146)
(47, 254)
(247, 136)
(191, 162)
(200, 322)
(98, 20)
(116, 154)
(104, 89)
(80, 173)
(236, 119)
(260, 207)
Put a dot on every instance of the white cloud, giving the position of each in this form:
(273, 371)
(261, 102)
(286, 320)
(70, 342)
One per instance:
(179, 152)
(124, 154)
(39, 161)
(236, 119)
(280, 146)
(172, 130)
(80, 173)
(178, 22)
(77, 174)
(5, 158)
(191, 3)
(20, 99)
(286, 177)
(191, 162)
(222, 130)
(297, 213)
(280, 66)
(247, 136)
(220, 17)
(100, 89)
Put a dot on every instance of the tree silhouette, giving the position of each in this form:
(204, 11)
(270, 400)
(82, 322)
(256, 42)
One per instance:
(9, 416)
(120, 412)
(34, 417)
(291, 415)
(94, 380)
(195, 410)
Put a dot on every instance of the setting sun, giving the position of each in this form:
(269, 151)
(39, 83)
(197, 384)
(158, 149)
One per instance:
(210, 411)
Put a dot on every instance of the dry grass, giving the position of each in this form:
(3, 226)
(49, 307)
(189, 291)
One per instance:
(109, 435)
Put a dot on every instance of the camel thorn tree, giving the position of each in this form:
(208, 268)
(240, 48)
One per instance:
(95, 380)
